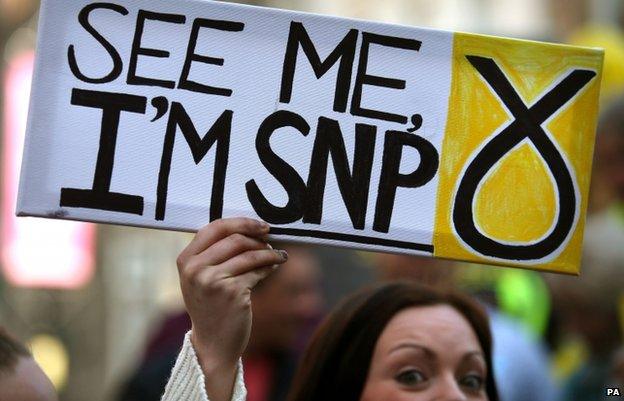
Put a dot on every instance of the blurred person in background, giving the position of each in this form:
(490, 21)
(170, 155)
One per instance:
(521, 362)
(432, 272)
(392, 342)
(589, 307)
(286, 308)
(588, 310)
(605, 227)
(20, 376)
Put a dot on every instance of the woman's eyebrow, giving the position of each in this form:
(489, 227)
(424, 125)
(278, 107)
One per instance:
(473, 354)
(428, 352)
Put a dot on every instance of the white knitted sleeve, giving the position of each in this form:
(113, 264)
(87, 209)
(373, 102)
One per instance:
(187, 379)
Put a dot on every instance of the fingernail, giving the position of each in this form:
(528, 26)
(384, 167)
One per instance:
(264, 226)
(274, 267)
(283, 254)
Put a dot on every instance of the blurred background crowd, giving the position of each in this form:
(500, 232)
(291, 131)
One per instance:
(100, 306)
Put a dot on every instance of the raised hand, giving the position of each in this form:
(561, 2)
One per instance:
(218, 270)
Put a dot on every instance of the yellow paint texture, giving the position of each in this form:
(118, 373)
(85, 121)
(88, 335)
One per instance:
(517, 200)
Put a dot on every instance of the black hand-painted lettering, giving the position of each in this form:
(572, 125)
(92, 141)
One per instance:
(354, 187)
(417, 121)
(99, 196)
(391, 178)
(219, 133)
(137, 50)
(284, 173)
(83, 19)
(362, 78)
(191, 56)
(161, 104)
(345, 52)
(527, 125)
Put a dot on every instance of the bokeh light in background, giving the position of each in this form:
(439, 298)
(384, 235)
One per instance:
(51, 354)
(612, 41)
(35, 252)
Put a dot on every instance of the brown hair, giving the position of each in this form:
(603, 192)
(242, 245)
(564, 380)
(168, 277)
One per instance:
(336, 363)
(10, 351)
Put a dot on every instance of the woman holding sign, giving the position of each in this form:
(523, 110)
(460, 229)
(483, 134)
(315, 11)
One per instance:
(393, 342)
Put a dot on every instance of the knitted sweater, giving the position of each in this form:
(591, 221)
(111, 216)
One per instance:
(187, 379)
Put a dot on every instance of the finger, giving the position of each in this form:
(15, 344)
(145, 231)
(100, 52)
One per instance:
(229, 247)
(251, 260)
(250, 279)
(222, 228)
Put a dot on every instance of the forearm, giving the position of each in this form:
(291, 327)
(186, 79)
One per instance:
(219, 376)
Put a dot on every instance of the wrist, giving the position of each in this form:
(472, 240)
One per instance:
(212, 360)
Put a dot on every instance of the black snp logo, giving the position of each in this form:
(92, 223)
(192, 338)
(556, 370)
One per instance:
(527, 124)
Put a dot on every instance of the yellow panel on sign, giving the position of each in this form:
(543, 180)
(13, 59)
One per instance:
(516, 159)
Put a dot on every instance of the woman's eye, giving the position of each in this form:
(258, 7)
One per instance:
(473, 382)
(410, 377)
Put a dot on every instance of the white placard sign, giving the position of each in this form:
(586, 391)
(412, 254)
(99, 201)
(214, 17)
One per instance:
(169, 114)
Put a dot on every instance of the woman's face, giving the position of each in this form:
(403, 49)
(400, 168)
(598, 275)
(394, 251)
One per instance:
(427, 353)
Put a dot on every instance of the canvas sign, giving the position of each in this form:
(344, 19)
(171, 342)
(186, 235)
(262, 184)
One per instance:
(170, 114)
